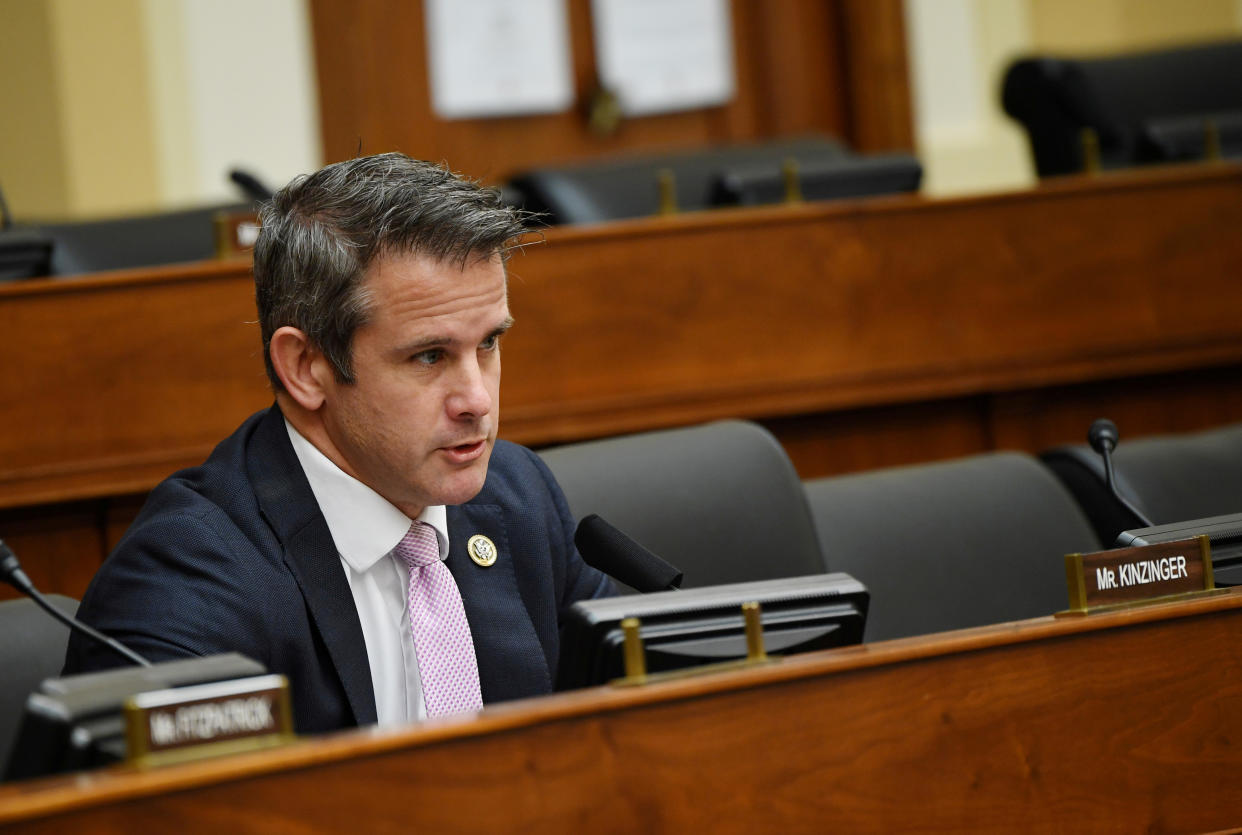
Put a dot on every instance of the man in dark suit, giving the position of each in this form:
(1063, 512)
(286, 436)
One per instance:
(316, 538)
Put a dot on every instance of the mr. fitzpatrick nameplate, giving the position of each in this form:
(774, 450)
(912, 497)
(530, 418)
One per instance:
(185, 723)
(1145, 573)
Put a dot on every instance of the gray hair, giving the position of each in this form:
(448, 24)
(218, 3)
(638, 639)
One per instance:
(319, 234)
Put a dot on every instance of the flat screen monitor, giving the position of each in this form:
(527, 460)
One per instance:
(1224, 533)
(692, 627)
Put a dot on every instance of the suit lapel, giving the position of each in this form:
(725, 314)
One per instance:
(290, 508)
(511, 663)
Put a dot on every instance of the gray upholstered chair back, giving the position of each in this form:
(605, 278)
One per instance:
(720, 501)
(32, 649)
(1170, 478)
(951, 545)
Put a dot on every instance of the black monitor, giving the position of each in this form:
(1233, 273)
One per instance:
(692, 627)
(1224, 533)
(76, 722)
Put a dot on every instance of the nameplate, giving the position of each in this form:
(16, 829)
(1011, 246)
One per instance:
(1142, 574)
(236, 233)
(186, 723)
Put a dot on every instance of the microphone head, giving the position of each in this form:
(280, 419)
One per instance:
(11, 570)
(1103, 435)
(604, 547)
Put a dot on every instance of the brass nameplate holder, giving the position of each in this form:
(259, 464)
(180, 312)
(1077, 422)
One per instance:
(1089, 142)
(636, 658)
(1128, 577)
(190, 723)
(666, 182)
(789, 177)
(236, 233)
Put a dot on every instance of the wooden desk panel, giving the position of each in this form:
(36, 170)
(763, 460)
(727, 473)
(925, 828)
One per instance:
(1122, 722)
(827, 307)
(761, 313)
(117, 380)
(864, 333)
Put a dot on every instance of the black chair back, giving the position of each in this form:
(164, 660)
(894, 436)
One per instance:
(1169, 478)
(951, 545)
(720, 501)
(32, 649)
(1143, 107)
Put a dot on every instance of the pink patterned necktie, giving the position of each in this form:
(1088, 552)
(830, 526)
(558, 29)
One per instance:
(446, 662)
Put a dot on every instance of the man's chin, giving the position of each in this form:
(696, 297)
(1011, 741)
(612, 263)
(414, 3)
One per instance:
(466, 482)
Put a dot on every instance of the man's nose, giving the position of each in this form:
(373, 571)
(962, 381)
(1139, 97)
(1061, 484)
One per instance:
(471, 395)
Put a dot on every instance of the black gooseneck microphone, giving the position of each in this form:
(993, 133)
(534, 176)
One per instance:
(11, 572)
(250, 185)
(1103, 437)
(604, 547)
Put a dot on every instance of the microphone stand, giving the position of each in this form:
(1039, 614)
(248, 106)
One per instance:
(12, 573)
(1103, 437)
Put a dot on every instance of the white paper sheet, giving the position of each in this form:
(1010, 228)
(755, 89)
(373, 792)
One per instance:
(498, 57)
(662, 55)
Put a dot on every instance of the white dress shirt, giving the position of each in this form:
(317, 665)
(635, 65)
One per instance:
(365, 528)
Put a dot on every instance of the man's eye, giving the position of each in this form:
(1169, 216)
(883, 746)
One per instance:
(428, 357)
(491, 342)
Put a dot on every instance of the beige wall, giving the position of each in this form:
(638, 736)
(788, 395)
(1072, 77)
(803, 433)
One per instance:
(81, 143)
(959, 49)
(1102, 26)
(31, 146)
(105, 105)
(125, 106)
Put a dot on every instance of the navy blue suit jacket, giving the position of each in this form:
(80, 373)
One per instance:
(235, 556)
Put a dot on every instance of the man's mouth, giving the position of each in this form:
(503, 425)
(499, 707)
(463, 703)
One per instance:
(465, 452)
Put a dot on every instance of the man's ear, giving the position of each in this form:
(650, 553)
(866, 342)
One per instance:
(301, 367)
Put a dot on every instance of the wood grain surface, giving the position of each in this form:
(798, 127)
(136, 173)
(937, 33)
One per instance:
(1119, 722)
(864, 333)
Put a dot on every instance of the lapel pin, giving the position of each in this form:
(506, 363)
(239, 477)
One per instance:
(482, 550)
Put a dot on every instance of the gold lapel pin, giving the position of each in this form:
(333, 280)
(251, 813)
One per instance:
(482, 550)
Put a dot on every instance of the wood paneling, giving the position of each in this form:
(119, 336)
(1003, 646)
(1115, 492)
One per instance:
(876, 75)
(1119, 722)
(802, 66)
(816, 308)
(803, 82)
(852, 440)
(60, 546)
(124, 378)
(865, 334)
(1161, 404)
(1032, 420)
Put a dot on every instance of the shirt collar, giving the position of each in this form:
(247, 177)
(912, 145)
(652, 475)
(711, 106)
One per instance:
(364, 525)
